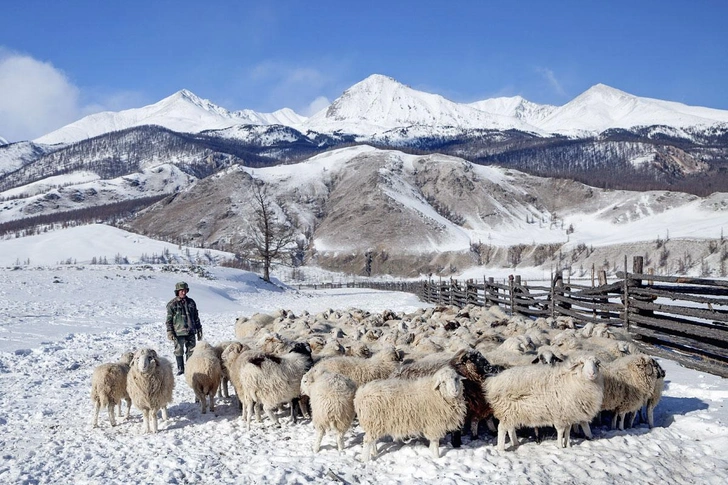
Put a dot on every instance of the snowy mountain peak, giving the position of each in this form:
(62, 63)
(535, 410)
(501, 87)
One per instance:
(601, 93)
(183, 111)
(516, 107)
(379, 103)
(3, 141)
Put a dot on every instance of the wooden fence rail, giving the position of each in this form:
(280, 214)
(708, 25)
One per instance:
(684, 319)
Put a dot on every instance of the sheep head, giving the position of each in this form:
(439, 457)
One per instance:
(472, 365)
(587, 366)
(448, 383)
(145, 360)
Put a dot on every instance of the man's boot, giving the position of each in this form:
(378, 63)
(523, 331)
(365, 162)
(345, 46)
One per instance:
(180, 365)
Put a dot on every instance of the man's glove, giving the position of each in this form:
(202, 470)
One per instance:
(170, 336)
(199, 334)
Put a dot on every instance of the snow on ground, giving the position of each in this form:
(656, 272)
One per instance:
(57, 323)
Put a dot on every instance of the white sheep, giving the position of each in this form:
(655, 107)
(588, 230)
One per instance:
(429, 406)
(108, 388)
(203, 374)
(150, 383)
(630, 382)
(219, 349)
(537, 395)
(271, 380)
(361, 370)
(332, 403)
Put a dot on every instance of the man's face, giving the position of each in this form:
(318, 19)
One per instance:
(182, 293)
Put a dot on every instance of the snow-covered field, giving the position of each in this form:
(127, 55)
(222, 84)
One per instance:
(58, 322)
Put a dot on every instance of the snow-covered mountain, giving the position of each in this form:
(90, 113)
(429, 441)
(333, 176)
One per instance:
(516, 107)
(601, 108)
(379, 103)
(182, 112)
(3, 141)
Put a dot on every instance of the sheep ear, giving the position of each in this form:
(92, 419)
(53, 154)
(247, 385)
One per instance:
(461, 356)
(536, 360)
(557, 359)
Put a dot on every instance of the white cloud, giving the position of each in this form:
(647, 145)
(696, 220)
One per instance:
(549, 75)
(35, 97)
(322, 102)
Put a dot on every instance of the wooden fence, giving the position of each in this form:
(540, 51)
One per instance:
(683, 319)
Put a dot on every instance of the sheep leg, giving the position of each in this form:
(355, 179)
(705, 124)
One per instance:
(491, 425)
(586, 429)
(621, 421)
(145, 421)
(502, 430)
(474, 427)
(153, 420)
(212, 402)
(251, 411)
(340, 441)
(514, 438)
(560, 437)
(293, 405)
(165, 414)
(257, 412)
(651, 415)
(304, 403)
(370, 447)
(224, 388)
(128, 406)
(456, 438)
(614, 420)
(317, 440)
(95, 420)
(111, 407)
(435, 447)
(563, 435)
(632, 418)
(269, 411)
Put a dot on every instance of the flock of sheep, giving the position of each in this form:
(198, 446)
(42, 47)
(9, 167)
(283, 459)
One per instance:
(428, 373)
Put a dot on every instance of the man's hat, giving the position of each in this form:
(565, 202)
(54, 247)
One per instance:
(181, 286)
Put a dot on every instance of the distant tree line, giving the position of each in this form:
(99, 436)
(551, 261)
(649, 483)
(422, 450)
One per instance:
(107, 213)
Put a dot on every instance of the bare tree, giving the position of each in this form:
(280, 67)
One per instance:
(270, 237)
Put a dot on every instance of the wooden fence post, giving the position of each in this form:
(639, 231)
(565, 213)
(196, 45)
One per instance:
(557, 282)
(510, 293)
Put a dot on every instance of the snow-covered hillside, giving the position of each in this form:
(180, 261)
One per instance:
(15, 155)
(60, 322)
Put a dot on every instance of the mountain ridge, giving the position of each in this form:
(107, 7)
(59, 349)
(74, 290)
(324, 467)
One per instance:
(380, 103)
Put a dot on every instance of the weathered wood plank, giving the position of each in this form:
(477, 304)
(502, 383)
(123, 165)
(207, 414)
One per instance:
(613, 318)
(719, 316)
(674, 279)
(689, 360)
(683, 327)
(683, 293)
(683, 343)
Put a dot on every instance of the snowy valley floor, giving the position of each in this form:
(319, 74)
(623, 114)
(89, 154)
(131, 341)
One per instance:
(58, 323)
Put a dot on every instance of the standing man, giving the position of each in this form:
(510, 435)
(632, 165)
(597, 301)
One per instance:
(183, 323)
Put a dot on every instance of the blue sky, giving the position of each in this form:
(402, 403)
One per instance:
(62, 60)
